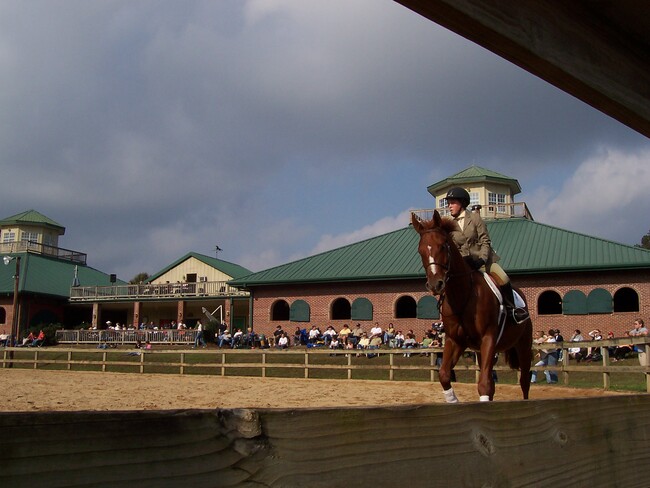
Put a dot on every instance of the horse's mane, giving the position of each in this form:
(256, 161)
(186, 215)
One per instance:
(449, 225)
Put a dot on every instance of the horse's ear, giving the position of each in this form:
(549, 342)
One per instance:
(436, 218)
(417, 223)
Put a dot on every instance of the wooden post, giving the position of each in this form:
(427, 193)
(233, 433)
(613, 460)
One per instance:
(604, 352)
(263, 365)
(306, 365)
(182, 363)
(391, 373)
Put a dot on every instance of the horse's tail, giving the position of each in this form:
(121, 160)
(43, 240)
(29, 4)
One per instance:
(512, 358)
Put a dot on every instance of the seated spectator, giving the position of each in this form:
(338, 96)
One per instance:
(249, 339)
(277, 333)
(622, 351)
(355, 335)
(225, 338)
(335, 343)
(38, 342)
(377, 331)
(575, 352)
(237, 339)
(282, 341)
(328, 335)
(344, 333)
(399, 339)
(297, 335)
(4, 339)
(409, 343)
(314, 335)
(375, 343)
(389, 335)
(364, 341)
(640, 330)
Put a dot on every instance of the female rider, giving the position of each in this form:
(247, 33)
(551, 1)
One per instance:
(475, 245)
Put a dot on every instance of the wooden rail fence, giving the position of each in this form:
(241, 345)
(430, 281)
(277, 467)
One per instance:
(263, 361)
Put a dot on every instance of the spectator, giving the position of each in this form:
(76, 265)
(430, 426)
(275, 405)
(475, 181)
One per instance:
(225, 338)
(282, 342)
(39, 341)
(199, 336)
(544, 356)
(364, 341)
(344, 334)
(355, 336)
(297, 335)
(4, 339)
(376, 331)
(399, 339)
(314, 335)
(237, 339)
(575, 352)
(640, 330)
(277, 333)
(389, 335)
(328, 335)
(409, 343)
(621, 352)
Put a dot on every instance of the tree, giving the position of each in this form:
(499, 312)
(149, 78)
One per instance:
(139, 278)
(645, 241)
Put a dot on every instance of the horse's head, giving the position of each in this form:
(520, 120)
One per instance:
(434, 249)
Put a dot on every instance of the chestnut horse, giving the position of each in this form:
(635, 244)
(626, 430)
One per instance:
(470, 311)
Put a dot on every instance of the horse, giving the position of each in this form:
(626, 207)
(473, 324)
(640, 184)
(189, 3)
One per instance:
(470, 311)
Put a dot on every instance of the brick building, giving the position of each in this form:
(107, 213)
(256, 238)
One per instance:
(571, 280)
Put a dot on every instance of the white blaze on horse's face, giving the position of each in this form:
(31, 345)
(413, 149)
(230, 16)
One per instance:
(434, 270)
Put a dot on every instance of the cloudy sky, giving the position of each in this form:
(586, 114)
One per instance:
(276, 129)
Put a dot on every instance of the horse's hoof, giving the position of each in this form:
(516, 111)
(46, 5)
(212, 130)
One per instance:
(484, 398)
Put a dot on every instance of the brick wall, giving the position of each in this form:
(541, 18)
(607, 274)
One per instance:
(384, 295)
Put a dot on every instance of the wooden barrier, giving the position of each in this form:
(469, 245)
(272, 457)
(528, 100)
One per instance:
(223, 361)
(595, 442)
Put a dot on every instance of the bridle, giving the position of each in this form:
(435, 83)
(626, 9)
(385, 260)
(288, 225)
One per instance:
(432, 263)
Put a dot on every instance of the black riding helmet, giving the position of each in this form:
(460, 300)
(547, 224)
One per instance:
(459, 194)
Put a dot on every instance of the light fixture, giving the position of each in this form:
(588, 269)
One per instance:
(7, 259)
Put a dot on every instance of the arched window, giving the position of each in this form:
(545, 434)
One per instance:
(549, 303)
(362, 309)
(574, 303)
(300, 311)
(341, 309)
(3, 315)
(428, 308)
(599, 301)
(405, 308)
(625, 300)
(280, 310)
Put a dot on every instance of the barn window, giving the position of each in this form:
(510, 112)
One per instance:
(300, 311)
(626, 300)
(362, 309)
(428, 308)
(341, 309)
(574, 303)
(3, 315)
(280, 310)
(599, 301)
(405, 308)
(549, 303)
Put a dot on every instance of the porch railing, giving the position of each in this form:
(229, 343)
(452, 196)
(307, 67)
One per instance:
(491, 211)
(35, 247)
(154, 291)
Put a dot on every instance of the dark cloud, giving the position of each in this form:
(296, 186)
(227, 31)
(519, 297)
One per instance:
(153, 128)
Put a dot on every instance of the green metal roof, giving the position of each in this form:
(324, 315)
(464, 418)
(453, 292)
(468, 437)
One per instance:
(475, 174)
(231, 269)
(31, 217)
(525, 247)
(44, 275)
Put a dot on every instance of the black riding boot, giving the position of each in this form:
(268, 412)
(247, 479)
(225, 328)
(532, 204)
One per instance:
(519, 314)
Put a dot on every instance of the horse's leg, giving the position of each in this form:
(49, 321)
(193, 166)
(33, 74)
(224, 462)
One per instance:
(450, 355)
(486, 364)
(525, 353)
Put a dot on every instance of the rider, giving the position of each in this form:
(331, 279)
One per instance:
(475, 244)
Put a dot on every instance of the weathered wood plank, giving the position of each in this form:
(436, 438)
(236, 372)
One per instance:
(595, 442)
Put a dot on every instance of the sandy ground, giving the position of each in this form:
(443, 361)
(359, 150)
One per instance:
(30, 390)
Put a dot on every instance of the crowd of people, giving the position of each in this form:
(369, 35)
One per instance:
(346, 337)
